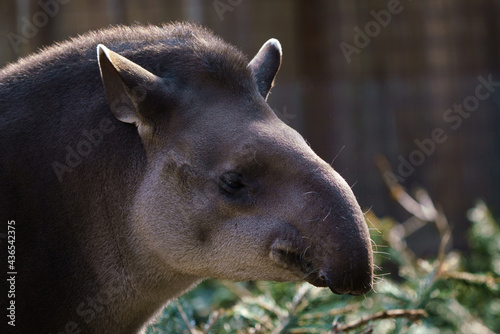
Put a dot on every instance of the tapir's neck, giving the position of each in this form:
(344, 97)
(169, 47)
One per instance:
(124, 285)
(135, 287)
(130, 307)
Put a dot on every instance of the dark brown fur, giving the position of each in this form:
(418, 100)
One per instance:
(192, 176)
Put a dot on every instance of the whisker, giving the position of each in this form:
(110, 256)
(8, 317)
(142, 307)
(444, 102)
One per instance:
(379, 279)
(373, 227)
(310, 192)
(383, 253)
(255, 158)
(335, 158)
(369, 209)
(303, 255)
(328, 214)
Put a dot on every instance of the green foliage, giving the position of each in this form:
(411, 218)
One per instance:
(484, 241)
(453, 293)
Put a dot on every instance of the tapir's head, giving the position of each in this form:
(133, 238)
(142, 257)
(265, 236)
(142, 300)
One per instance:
(230, 191)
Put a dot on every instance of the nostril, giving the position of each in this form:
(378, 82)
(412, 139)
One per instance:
(330, 282)
(345, 283)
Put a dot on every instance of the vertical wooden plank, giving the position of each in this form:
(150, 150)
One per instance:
(8, 31)
(315, 72)
(115, 11)
(193, 11)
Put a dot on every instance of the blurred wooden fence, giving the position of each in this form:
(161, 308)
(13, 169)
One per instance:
(359, 77)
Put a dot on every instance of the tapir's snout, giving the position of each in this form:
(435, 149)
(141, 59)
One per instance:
(347, 267)
(351, 281)
(337, 252)
(344, 266)
(343, 270)
(343, 245)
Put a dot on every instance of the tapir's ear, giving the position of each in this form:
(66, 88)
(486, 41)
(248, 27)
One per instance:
(265, 65)
(127, 85)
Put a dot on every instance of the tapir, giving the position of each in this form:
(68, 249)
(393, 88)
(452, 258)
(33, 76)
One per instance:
(138, 161)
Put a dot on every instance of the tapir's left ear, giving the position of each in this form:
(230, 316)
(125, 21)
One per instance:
(265, 65)
(131, 90)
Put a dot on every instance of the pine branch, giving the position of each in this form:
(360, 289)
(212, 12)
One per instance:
(416, 208)
(238, 289)
(422, 207)
(487, 279)
(333, 312)
(412, 315)
(212, 320)
(298, 299)
(184, 317)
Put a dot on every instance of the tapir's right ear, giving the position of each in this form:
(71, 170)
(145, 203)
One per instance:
(127, 86)
(265, 66)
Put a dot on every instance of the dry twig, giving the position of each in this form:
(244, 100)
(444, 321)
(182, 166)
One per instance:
(184, 317)
(422, 207)
(333, 312)
(487, 279)
(412, 315)
(298, 300)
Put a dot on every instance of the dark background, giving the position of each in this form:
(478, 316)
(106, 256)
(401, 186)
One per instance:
(393, 90)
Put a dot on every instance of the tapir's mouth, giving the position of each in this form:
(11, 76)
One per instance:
(298, 262)
(301, 263)
(292, 258)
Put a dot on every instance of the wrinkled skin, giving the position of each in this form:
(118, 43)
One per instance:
(196, 178)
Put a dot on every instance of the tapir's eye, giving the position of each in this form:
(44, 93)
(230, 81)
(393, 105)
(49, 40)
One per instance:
(231, 182)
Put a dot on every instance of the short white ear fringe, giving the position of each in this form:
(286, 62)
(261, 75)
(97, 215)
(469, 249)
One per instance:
(101, 49)
(276, 44)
